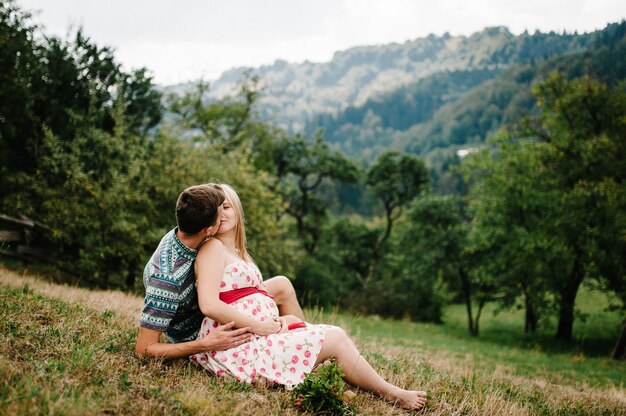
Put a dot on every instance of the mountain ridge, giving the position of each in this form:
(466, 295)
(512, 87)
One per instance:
(295, 92)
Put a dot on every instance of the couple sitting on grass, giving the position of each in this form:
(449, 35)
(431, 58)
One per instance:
(205, 293)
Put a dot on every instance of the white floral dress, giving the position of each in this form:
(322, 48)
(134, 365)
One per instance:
(284, 358)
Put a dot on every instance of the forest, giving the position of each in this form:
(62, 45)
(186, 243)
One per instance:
(535, 212)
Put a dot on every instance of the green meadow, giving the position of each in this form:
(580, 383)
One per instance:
(69, 351)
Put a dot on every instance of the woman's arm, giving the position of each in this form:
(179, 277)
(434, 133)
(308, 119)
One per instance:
(209, 270)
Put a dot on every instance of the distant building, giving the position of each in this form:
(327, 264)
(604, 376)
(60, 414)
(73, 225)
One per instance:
(466, 151)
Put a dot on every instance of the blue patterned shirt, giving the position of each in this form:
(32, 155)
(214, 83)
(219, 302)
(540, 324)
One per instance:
(171, 302)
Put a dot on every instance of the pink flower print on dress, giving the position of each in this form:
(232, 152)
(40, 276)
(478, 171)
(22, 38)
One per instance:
(267, 352)
(219, 372)
(244, 361)
(224, 359)
(277, 374)
(292, 370)
(223, 284)
(305, 362)
(234, 286)
(235, 354)
(298, 347)
(307, 354)
(235, 270)
(294, 359)
(240, 369)
(269, 342)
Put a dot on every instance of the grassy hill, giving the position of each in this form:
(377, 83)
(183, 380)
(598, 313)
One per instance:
(65, 350)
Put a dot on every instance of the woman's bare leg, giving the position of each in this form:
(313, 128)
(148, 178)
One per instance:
(284, 295)
(358, 372)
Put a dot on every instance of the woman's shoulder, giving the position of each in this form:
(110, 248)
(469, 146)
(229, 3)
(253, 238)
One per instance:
(211, 245)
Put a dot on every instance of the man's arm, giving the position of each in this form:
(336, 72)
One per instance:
(220, 338)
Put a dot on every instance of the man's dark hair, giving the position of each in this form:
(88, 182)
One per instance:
(196, 207)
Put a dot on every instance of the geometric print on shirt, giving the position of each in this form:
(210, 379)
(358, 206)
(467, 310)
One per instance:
(171, 301)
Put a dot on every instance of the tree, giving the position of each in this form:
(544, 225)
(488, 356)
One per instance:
(396, 179)
(19, 69)
(303, 168)
(436, 248)
(510, 200)
(61, 88)
(227, 122)
(583, 136)
(548, 208)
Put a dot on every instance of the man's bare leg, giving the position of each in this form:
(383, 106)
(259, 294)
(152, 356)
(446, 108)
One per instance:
(284, 295)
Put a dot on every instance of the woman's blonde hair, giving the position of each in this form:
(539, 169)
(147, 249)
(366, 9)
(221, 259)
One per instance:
(240, 228)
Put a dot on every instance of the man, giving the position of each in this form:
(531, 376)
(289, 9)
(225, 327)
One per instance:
(171, 301)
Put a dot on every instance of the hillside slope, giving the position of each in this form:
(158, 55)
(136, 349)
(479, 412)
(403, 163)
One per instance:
(65, 350)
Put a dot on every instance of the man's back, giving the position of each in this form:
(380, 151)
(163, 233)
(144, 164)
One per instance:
(171, 301)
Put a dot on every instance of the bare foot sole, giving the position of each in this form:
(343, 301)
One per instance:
(410, 399)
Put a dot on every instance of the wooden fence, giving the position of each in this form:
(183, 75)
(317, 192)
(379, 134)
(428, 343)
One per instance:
(18, 239)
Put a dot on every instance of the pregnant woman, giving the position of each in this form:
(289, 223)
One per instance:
(282, 350)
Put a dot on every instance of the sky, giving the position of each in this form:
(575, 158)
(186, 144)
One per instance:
(185, 40)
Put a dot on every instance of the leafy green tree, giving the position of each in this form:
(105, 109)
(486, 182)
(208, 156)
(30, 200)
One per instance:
(583, 137)
(60, 88)
(547, 210)
(303, 169)
(395, 179)
(90, 203)
(334, 275)
(19, 70)
(510, 202)
(227, 122)
(435, 250)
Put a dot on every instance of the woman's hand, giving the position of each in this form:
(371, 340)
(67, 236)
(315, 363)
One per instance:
(284, 326)
(291, 319)
(286, 321)
(267, 327)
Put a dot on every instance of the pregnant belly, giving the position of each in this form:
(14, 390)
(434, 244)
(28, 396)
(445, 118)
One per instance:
(257, 306)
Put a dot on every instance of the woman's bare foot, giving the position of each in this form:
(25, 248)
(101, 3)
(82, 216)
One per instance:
(409, 399)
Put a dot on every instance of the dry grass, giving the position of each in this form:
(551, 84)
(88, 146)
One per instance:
(65, 350)
(126, 306)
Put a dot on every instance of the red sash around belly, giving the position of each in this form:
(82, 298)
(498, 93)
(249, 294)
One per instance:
(234, 295)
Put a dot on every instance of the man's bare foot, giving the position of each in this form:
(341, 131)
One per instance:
(410, 399)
